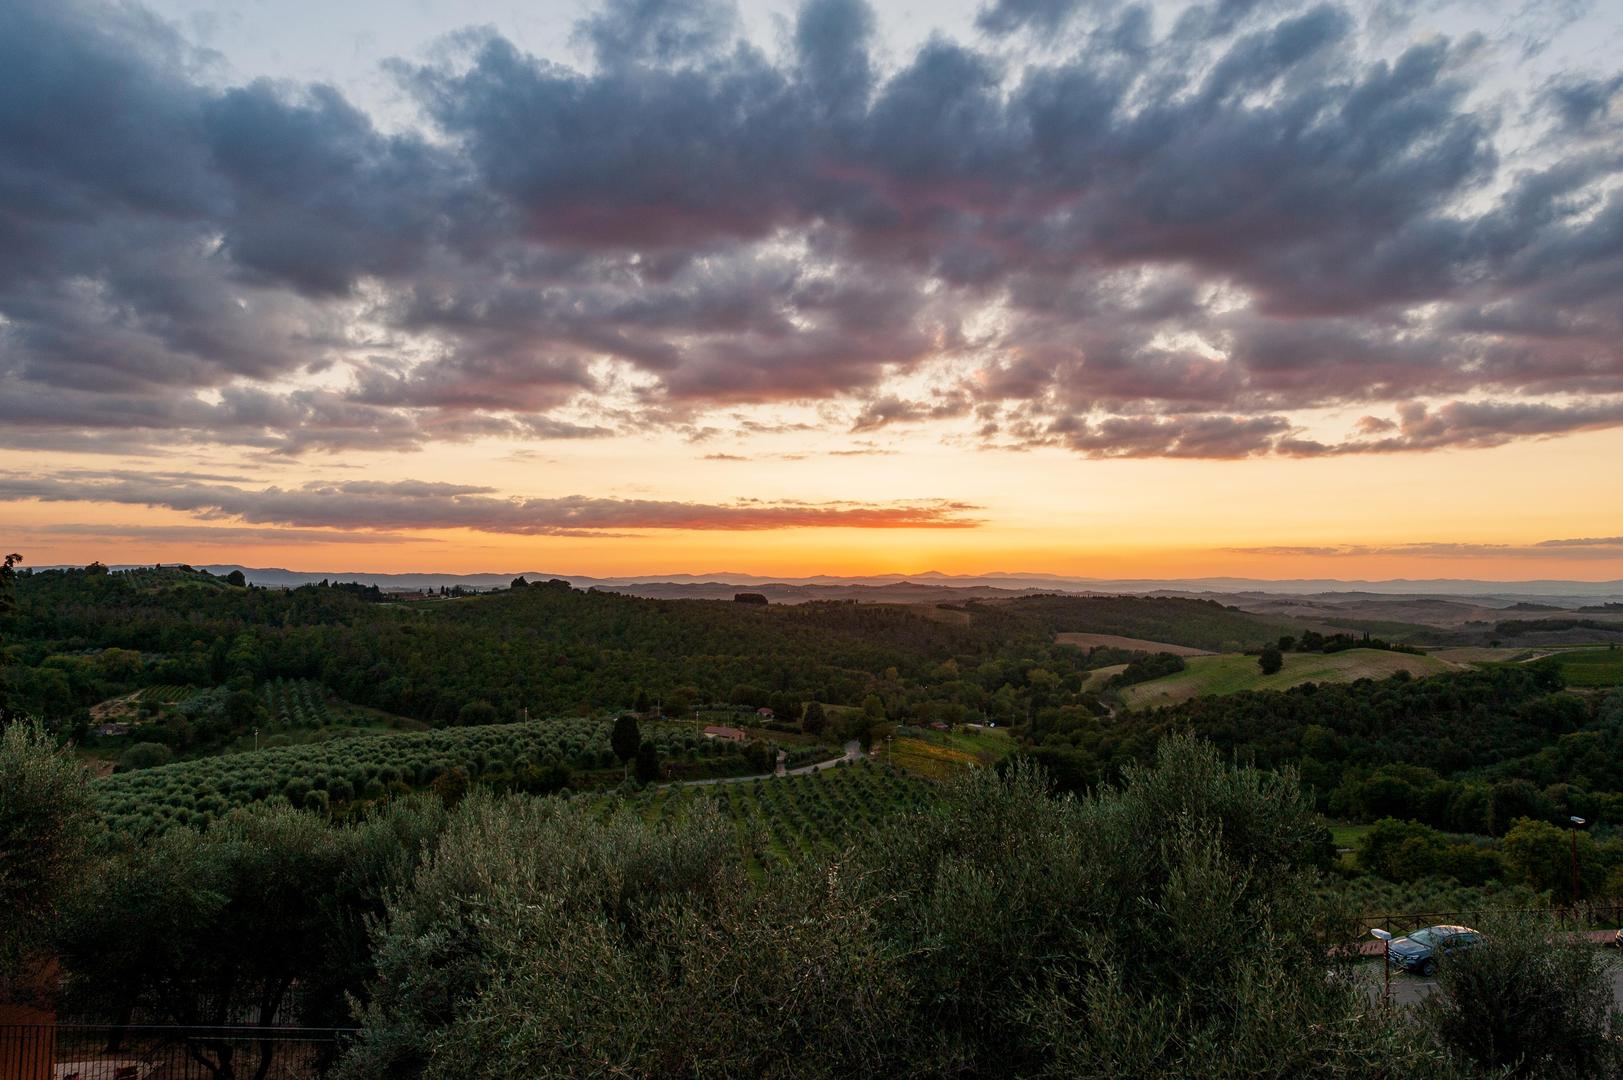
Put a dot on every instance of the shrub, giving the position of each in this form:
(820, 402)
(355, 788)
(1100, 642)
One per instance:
(1165, 929)
(476, 713)
(507, 875)
(1146, 668)
(144, 755)
(1530, 1001)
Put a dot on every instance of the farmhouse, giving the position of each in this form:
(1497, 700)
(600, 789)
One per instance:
(717, 731)
(765, 713)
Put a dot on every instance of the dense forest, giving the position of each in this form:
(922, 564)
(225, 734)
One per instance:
(1469, 751)
(81, 636)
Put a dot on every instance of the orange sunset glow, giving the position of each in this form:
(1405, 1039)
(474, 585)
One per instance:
(931, 314)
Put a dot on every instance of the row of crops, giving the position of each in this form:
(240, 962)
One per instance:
(790, 818)
(296, 702)
(366, 766)
(168, 694)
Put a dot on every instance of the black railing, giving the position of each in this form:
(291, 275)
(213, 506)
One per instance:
(1585, 916)
(163, 1052)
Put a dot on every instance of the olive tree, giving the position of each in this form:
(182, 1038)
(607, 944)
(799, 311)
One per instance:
(1165, 928)
(1530, 1001)
(1168, 927)
(519, 881)
(46, 826)
(626, 738)
(216, 927)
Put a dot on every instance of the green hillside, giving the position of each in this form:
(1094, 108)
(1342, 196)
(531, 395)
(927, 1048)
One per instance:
(1197, 624)
(1592, 667)
(348, 773)
(1233, 673)
(82, 638)
(791, 819)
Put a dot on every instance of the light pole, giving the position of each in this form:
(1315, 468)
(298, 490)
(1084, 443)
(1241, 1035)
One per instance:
(1385, 938)
(1577, 823)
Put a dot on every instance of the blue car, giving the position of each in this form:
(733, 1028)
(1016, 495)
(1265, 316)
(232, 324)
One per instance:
(1421, 950)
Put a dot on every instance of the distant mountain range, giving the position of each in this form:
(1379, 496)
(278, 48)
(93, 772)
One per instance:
(934, 585)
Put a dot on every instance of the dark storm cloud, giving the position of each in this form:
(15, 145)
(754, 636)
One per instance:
(1133, 239)
(320, 198)
(414, 504)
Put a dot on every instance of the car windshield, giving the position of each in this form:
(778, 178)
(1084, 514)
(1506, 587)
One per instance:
(1423, 937)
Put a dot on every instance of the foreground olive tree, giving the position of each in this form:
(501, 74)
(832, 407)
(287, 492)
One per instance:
(217, 927)
(46, 826)
(1165, 928)
(1531, 1001)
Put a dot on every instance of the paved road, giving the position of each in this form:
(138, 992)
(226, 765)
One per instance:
(853, 752)
(1411, 989)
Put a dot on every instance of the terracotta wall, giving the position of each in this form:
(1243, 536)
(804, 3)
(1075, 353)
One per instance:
(27, 1032)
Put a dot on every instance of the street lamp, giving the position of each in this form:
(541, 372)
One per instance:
(1385, 938)
(1577, 823)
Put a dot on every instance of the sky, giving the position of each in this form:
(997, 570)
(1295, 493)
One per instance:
(1239, 288)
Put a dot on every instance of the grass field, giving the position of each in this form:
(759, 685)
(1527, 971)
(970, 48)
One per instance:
(1116, 641)
(1592, 667)
(1345, 835)
(1483, 654)
(1099, 676)
(939, 754)
(1233, 673)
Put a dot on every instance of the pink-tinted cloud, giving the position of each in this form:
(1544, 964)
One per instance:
(410, 504)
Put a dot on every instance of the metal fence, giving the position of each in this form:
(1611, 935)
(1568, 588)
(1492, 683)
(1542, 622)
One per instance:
(1598, 921)
(1585, 916)
(162, 1052)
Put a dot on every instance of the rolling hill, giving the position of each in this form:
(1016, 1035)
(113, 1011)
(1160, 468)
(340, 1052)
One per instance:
(1232, 673)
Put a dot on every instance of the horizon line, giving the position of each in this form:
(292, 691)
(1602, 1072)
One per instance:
(724, 576)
